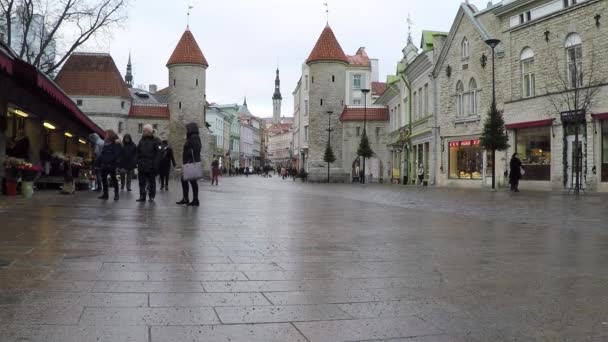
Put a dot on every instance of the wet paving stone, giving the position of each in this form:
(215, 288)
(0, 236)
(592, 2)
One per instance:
(266, 260)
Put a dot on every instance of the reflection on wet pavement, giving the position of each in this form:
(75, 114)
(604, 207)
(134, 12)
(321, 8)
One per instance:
(272, 260)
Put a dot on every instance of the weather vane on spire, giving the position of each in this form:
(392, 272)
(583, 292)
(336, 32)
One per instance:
(188, 20)
(409, 28)
(326, 4)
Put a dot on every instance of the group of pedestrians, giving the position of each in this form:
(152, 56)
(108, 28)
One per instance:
(151, 157)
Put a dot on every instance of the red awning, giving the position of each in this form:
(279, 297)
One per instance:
(600, 116)
(530, 124)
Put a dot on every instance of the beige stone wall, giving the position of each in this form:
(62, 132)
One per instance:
(378, 144)
(453, 127)
(549, 66)
(183, 88)
(333, 94)
(162, 129)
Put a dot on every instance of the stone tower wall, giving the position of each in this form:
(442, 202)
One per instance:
(276, 110)
(327, 82)
(183, 88)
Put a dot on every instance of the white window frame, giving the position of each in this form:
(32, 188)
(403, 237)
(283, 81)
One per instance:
(426, 99)
(357, 79)
(459, 99)
(528, 80)
(465, 48)
(574, 46)
(305, 133)
(473, 97)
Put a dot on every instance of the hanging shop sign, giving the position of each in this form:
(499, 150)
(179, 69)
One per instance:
(472, 142)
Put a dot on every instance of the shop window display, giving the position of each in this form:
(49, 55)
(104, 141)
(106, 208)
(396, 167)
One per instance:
(534, 148)
(465, 159)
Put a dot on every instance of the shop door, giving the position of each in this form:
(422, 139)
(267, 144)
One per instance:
(573, 164)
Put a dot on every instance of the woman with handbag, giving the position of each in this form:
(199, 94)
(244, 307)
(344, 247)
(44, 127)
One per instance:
(191, 155)
(515, 172)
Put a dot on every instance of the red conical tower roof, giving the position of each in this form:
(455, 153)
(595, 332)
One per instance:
(327, 48)
(187, 51)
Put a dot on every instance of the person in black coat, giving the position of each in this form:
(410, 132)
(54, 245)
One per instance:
(166, 161)
(109, 160)
(515, 172)
(20, 147)
(147, 164)
(191, 154)
(128, 161)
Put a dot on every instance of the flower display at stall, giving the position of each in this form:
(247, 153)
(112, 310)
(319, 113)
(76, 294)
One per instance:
(29, 172)
(16, 168)
(11, 165)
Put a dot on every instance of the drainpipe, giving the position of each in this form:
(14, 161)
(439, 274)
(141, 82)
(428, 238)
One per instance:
(409, 111)
(435, 130)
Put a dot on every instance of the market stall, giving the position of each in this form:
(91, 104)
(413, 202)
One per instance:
(43, 134)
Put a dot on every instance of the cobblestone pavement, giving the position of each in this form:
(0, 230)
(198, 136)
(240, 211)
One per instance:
(271, 260)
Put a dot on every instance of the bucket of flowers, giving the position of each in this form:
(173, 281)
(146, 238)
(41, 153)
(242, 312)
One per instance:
(11, 166)
(29, 172)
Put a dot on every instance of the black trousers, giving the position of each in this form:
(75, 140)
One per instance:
(147, 181)
(164, 180)
(125, 179)
(185, 189)
(104, 180)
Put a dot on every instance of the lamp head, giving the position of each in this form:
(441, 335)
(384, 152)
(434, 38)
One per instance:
(493, 42)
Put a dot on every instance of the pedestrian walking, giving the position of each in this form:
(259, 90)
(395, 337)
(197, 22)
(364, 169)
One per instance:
(109, 160)
(215, 171)
(283, 173)
(516, 171)
(166, 161)
(98, 144)
(421, 174)
(148, 153)
(191, 154)
(128, 162)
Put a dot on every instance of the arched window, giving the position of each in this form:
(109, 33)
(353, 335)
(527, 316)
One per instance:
(574, 60)
(465, 48)
(473, 97)
(459, 99)
(527, 72)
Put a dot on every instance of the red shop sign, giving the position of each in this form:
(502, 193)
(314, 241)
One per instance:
(464, 143)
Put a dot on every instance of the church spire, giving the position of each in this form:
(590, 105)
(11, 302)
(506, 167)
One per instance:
(129, 75)
(276, 99)
(277, 88)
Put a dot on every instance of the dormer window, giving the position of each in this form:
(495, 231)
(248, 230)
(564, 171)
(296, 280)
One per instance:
(465, 48)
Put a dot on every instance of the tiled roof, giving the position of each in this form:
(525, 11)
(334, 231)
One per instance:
(93, 74)
(378, 88)
(149, 111)
(327, 48)
(279, 128)
(187, 51)
(142, 96)
(358, 113)
(359, 59)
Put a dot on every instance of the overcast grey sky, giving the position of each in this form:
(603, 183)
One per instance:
(242, 39)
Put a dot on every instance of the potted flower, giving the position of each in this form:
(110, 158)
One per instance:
(29, 173)
(11, 166)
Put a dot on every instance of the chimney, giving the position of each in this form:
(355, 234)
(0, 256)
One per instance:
(152, 88)
(438, 43)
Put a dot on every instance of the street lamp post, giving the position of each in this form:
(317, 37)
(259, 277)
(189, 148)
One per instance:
(365, 92)
(493, 43)
(329, 129)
